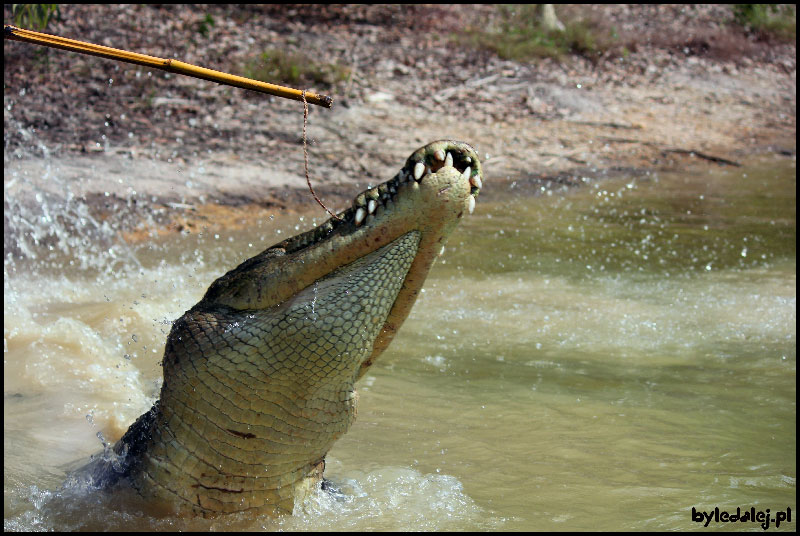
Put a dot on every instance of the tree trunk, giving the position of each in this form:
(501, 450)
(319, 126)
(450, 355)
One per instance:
(549, 21)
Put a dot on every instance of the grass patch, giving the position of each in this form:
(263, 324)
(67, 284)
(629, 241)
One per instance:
(517, 34)
(34, 16)
(276, 66)
(777, 21)
(204, 25)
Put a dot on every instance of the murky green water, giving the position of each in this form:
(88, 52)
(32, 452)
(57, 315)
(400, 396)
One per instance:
(606, 358)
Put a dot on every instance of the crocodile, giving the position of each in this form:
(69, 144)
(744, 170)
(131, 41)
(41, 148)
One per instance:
(259, 375)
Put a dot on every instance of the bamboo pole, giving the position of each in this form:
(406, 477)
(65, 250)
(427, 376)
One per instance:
(170, 65)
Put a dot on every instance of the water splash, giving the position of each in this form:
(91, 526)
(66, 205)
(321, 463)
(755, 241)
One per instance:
(392, 498)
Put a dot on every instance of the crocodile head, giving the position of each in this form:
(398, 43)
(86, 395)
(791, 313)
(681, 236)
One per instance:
(435, 188)
(259, 375)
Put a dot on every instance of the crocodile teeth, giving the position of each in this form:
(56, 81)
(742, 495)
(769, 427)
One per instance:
(360, 215)
(439, 155)
(419, 170)
(471, 205)
(467, 173)
(372, 205)
(449, 160)
(468, 159)
(476, 181)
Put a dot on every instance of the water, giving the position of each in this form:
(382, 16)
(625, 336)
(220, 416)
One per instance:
(598, 359)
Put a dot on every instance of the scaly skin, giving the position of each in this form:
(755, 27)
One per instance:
(259, 375)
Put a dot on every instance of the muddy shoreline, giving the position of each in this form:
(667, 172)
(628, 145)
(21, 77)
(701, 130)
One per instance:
(182, 155)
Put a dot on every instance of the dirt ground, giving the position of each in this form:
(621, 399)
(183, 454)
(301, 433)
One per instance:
(682, 87)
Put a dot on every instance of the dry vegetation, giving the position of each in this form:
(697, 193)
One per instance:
(626, 86)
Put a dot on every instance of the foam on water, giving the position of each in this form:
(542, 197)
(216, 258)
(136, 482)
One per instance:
(391, 498)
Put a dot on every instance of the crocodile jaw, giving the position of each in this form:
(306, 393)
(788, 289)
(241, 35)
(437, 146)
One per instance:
(437, 185)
